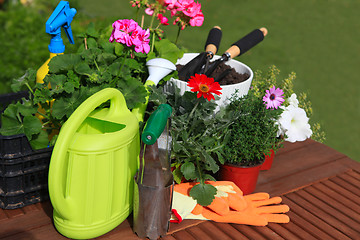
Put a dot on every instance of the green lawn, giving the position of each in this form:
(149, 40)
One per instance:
(319, 40)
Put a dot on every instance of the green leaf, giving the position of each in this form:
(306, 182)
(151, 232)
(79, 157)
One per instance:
(40, 141)
(27, 79)
(63, 62)
(11, 125)
(177, 175)
(91, 31)
(83, 69)
(132, 63)
(119, 48)
(26, 108)
(203, 193)
(133, 91)
(91, 43)
(65, 106)
(168, 50)
(32, 125)
(188, 169)
(108, 47)
(42, 95)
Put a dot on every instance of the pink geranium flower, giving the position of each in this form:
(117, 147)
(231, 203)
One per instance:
(197, 20)
(142, 40)
(149, 11)
(122, 30)
(192, 9)
(163, 20)
(273, 98)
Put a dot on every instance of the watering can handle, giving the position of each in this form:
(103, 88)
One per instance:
(57, 181)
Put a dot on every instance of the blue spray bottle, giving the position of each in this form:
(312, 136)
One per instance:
(61, 17)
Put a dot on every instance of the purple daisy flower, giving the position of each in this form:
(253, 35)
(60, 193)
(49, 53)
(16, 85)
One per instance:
(273, 98)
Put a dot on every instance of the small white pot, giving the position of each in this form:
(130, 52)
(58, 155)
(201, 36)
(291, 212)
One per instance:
(227, 90)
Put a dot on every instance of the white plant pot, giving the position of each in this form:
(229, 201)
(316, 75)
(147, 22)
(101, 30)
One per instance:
(227, 90)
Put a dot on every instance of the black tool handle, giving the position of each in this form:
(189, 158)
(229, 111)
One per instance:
(247, 42)
(213, 40)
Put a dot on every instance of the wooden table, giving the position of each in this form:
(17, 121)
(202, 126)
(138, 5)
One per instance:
(321, 186)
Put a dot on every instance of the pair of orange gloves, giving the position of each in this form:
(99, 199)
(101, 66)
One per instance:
(229, 206)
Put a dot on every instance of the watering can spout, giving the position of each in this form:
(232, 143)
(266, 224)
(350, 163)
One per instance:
(158, 68)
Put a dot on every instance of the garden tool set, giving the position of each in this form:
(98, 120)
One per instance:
(202, 60)
(200, 64)
(98, 175)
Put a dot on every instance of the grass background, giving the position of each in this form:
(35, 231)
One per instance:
(317, 39)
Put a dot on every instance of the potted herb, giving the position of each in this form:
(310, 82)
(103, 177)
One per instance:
(197, 134)
(265, 117)
(252, 134)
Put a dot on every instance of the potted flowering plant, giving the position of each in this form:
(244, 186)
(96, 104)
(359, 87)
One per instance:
(267, 116)
(198, 136)
(112, 57)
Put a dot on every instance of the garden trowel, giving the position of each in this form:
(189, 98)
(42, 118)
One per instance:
(211, 47)
(238, 48)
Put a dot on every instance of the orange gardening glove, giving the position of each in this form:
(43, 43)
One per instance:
(229, 206)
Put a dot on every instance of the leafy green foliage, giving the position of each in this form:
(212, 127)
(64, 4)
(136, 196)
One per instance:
(198, 138)
(72, 79)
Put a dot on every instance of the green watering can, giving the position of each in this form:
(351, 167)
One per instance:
(94, 161)
(92, 167)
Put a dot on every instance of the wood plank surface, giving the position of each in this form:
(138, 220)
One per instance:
(320, 185)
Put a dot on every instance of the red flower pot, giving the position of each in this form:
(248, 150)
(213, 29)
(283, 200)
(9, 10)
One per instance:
(268, 161)
(244, 177)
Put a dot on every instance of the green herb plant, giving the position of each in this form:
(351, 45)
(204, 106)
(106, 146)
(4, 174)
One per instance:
(253, 132)
(198, 137)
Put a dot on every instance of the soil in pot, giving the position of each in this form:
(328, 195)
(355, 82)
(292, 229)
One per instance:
(231, 78)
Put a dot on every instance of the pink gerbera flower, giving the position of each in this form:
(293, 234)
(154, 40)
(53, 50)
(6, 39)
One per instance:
(273, 98)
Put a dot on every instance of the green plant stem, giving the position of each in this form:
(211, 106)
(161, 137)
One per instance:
(152, 42)
(123, 62)
(199, 170)
(97, 67)
(30, 89)
(177, 35)
(193, 110)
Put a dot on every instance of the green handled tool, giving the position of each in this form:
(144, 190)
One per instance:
(156, 124)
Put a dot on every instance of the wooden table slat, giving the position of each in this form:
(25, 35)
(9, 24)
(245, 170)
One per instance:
(330, 211)
(334, 227)
(229, 230)
(279, 229)
(334, 185)
(303, 218)
(297, 230)
(249, 231)
(335, 203)
(320, 185)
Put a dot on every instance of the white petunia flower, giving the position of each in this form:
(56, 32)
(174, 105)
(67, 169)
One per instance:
(292, 100)
(294, 123)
